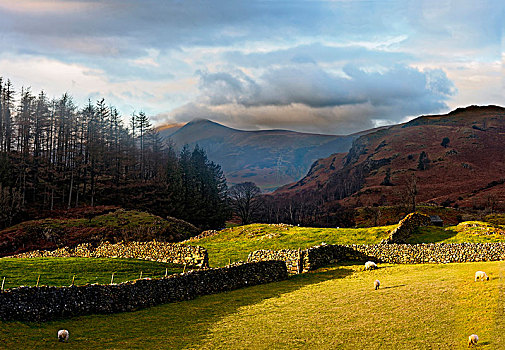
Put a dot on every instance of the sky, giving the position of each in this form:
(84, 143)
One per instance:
(332, 67)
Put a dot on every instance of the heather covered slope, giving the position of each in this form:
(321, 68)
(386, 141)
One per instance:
(269, 158)
(456, 159)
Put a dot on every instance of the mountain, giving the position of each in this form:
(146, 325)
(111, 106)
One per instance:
(455, 159)
(270, 158)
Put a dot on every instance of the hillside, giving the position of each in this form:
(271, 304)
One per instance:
(457, 159)
(270, 158)
(114, 226)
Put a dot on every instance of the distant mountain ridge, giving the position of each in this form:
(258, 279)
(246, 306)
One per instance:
(270, 158)
(457, 159)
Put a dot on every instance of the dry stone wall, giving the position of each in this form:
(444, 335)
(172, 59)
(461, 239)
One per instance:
(439, 253)
(407, 226)
(193, 256)
(435, 253)
(48, 303)
(294, 259)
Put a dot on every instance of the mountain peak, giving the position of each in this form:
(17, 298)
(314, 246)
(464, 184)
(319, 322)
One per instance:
(478, 109)
(459, 116)
(200, 120)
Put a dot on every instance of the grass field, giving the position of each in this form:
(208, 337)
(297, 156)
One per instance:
(60, 271)
(418, 307)
(468, 231)
(236, 243)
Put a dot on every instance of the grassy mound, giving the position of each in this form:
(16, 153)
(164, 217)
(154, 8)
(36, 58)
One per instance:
(236, 243)
(417, 307)
(389, 215)
(60, 271)
(468, 231)
(113, 226)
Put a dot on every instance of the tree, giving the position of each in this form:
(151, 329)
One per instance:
(54, 155)
(373, 213)
(387, 178)
(10, 205)
(244, 200)
(423, 161)
(445, 142)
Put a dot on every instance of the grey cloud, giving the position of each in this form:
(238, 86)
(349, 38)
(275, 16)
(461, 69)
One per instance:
(312, 86)
(310, 99)
(340, 120)
(128, 24)
(120, 27)
(315, 52)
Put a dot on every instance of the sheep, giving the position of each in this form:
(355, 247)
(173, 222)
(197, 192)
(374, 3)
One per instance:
(377, 284)
(481, 275)
(370, 265)
(473, 339)
(63, 335)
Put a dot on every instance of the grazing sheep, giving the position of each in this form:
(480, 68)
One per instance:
(63, 335)
(370, 265)
(481, 275)
(377, 284)
(473, 339)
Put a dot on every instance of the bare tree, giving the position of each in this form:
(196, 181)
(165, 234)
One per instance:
(244, 200)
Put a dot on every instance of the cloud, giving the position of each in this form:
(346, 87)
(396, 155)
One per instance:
(83, 83)
(260, 64)
(290, 97)
(318, 52)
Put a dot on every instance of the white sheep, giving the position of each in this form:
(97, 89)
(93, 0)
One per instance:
(481, 275)
(473, 339)
(63, 335)
(370, 265)
(377, 284)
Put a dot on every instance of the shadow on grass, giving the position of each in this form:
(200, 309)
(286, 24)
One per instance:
(397, 286)
(175, 325)
(430, 234)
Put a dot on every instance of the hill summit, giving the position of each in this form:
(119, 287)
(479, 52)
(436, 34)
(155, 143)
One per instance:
(270, 158)
(452, 159)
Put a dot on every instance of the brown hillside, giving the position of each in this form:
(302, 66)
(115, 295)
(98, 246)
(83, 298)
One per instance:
(468, 170)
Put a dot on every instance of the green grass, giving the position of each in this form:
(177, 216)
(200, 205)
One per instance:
(60, 271)
(236, 243)
(468, 231)
(418, 307)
